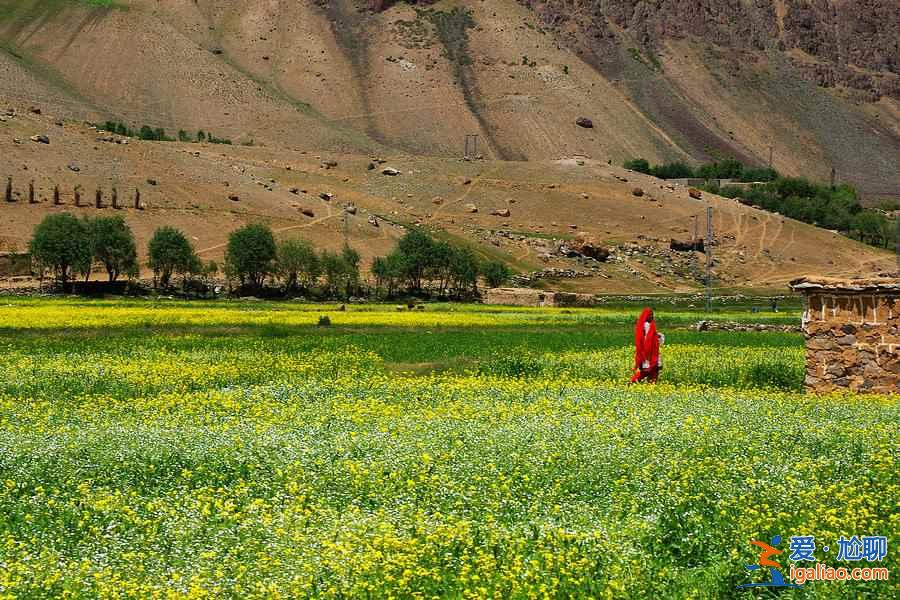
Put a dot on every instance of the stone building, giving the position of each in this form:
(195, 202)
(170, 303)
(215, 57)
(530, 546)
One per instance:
(852, 329)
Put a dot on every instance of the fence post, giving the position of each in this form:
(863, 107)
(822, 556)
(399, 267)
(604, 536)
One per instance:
(137, 199)
(9, 195)
(115, 198)
(77, 195)
(56, 201)
(98, 198)
(31, 199)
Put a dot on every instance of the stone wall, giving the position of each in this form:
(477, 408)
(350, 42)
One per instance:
(530, 297)
(852, 332)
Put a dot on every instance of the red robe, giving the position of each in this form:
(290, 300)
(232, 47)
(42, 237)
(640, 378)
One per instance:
(646, 348)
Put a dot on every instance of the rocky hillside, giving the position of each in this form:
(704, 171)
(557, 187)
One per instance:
(811, 84)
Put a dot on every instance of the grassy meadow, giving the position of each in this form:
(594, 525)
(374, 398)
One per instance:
(165, 449)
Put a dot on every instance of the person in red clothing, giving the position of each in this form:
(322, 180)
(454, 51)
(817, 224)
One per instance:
(647, 360)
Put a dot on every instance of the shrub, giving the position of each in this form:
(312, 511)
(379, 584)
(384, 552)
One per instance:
(61, 243)
(251, 253)
(169, 252)
(113, 246)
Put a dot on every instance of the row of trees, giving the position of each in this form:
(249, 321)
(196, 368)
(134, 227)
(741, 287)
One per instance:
(67, 247)
(836, 208)
(157, 134)
(727, 168)
(420, 263)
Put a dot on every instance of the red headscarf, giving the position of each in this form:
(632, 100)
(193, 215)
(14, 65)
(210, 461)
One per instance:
(646, 345)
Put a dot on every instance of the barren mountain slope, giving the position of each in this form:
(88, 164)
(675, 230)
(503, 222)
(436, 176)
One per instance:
(815, 82)
(209, 190)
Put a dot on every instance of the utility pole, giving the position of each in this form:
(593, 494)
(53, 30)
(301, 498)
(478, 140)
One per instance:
(708, 247)
(471, 140)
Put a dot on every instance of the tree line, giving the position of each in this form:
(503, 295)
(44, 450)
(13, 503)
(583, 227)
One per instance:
(728, 168)
(831, 207)
(68, 247)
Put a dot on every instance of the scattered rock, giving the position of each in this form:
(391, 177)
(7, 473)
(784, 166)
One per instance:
(326, 196)
(390, 171)
(370, 166)
(74, 168)
(437, 200)
(350, 209)
(584, 195)
(462, 180)
(329, 164)
(234, 197)
(307, 212)
(637, 192)
(34, 110)
(584, 122)
(373, 220)
(295, 191)
(151, 181)
(41, 139)
(471, 208)
(500, 212)
(695, 193)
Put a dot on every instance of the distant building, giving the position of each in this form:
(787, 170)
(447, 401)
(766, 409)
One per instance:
(852, 329)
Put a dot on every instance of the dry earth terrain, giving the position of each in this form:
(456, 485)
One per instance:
(209, 189)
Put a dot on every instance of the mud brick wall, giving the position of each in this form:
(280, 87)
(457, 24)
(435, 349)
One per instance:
(852, 340)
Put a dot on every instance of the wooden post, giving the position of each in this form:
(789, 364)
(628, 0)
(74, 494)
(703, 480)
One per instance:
(137, 200)
(31, 199)
(9, 196)
(98, 198)
(56, 201)
(77, 195)
(115, 198)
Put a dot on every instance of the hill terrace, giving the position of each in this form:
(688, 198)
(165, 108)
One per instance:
(852, 329)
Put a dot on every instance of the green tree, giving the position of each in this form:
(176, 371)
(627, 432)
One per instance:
(170, 252)
(496, 273)
(675, 170)
(641, 165)
(350, 274)
(113, 246)
(417, 249)
(251, 253)
(297, 263)
(62, 243)
(331, 267)
(872, 227)
(464, 271)
(389, 272)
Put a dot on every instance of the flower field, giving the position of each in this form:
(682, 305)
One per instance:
(236, 450)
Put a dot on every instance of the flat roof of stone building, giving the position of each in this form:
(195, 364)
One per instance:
(832, 284)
